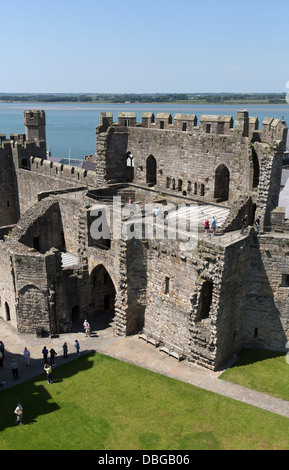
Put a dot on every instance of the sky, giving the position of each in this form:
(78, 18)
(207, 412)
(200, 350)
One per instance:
(152, 46)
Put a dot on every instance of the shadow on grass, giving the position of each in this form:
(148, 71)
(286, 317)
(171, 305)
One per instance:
(251, 356)
(34, 397)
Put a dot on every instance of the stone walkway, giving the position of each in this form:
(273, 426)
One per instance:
(129, 349)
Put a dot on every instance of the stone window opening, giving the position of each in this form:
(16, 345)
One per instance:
(255, 332)
(129, 159)
(36, 243)
(202, 189)
(196, 188)
(8, 203)
(162, 124)
(180, 184)
(205, 300)
(168, 183)
(285, 280)
(167, 285)
(208, 128)
(189, 187)
(184, 126)
(7, 311)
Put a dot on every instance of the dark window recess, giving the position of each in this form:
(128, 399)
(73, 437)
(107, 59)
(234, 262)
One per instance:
(255, 332)
(36, 243)
(285, 280)
(167, 285)
(205, 300)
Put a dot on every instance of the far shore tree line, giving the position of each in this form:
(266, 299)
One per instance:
(126, 98)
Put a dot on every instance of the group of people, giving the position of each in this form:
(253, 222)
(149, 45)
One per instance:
(213, 226)
(244, 223)
(47, 365)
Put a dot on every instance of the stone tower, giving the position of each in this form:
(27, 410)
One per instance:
(35, 125)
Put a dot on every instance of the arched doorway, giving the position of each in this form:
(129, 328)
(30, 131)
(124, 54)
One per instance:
(102, 297)
(222, 180)
(151, 170)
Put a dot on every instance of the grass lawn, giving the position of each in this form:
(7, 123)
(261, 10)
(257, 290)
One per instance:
(265, 371)
(97, 402)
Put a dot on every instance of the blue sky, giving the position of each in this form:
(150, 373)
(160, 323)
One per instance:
(124, 46)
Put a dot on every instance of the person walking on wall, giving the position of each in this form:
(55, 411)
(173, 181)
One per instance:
(207, 226)
(244, 223)
(214, 225)
(257, 224)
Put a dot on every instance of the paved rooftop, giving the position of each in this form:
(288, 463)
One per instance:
(129, 349)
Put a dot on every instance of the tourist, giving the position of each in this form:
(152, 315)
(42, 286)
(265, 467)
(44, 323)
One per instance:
(19, 414)
(52, 356)
(48, 370)
(86, 327)
(2, 349)
(26, 354)
(45, 354)
(65, 349)
(214, 225)
(207, 226)
(77, 347)
(14, 369)
(257, 223)
(244, 222)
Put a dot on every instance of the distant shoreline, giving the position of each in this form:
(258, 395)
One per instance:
(155, 103)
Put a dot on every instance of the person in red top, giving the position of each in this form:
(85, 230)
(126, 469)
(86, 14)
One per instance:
(207, 226)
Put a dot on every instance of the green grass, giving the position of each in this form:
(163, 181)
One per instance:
(265, 371)
(97, 402)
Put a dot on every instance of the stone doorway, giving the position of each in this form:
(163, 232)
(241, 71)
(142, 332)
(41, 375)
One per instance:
(222, 180)
(102, 298)
(151, 170)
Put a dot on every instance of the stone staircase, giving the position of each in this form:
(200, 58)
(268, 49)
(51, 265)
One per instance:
(201, 212)
(68, 259)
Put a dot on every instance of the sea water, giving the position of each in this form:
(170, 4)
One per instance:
(70, 127)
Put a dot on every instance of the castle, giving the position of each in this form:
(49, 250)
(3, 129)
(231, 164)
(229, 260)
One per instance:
(227, 292)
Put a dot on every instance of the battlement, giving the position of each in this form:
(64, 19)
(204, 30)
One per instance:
(55, 170)
(34, 118)
(273, 129)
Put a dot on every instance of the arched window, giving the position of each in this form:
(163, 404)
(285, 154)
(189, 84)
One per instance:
(129, 167)
(151, 170)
